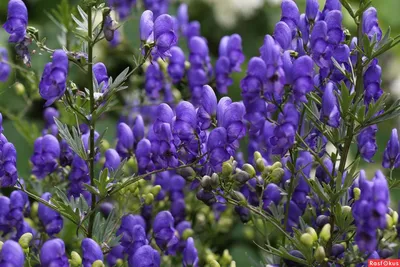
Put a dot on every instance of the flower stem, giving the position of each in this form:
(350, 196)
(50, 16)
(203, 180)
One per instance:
(92, 122)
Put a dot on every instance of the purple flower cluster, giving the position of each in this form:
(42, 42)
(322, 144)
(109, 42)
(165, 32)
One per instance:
(8, 160)
(45, 156)
(5, 68)
(78, 176)
(50, 219)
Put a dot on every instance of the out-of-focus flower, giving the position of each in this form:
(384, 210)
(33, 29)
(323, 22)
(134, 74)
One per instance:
(5, 68)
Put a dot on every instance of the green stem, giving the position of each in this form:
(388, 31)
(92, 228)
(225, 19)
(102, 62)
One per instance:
(92, 122)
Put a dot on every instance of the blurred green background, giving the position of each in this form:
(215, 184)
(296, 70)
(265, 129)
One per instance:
(252, 19)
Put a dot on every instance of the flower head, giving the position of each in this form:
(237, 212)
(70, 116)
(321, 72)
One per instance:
(145, 256)
(53, 253)
(51, 219)
(11, 254)
(17, 21)
(391, 155)
(91, 252)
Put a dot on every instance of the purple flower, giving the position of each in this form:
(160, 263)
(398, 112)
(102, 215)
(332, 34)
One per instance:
(125, 140)
(123, 7)
(100, 73)
(217, 145)
(154, 81)
(50, 126)
(147, 27)
(312, 9)
(53, 83)
(4, 214)
(133, 231)
(116, 253)
(372, 82)
(176, 66)
(108, 28)
(190, 256)
(303, 73)
(333, 21)
(183, 17)
(145, 256)
(8, 164)
(231, 48)
(185, 122)
(331, 5)
(320, 172)
(138, 128)
(91, 252)
(230, 116)
(391, 154)
(19, 203)
(53, 253)
(66, 154)
(164, 232)
(158, 7)
(50, 219)
(330, 111)
(283, 35)
(370, 25)
(164, 35)
(320, 48)
(117, 39)
(271, 194)
(11, 254)
(45, 156)
(17, 21)
(290, 14)
(5, 68)
(207, 111)
(143, 156)
(366, 141)
(78, 176)
(112, 159)
(222, 75)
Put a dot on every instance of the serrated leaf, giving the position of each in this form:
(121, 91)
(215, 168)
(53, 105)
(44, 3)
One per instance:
(74, 140)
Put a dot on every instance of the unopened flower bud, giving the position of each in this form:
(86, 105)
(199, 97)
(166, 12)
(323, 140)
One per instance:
(177, 95)
(105, 145)
(187, 233)
(257, 155)
(389, 221)
(226, 168)
(307, 239)
(260, 165)
(119, 263)
(325, 233)
(322, 220)
(187, 65)
(249, 169)
(76, 259)
(214, 180)
(19, 88)
(213, 263)
(34, 209)
(357, 193)
(395, 217)
(155, 190)
(277, 175)
(206, 182)
(98, 263)
(346, 211)
(226, 258)
(241, 176)
(233, 264)
(148, 198)
(24, 240)
(320, 254)
(1, 245)
(276, 165)
(238, 196)
(187, 173)
(313, 233)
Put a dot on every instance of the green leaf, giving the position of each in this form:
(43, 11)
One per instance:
(74, 140)
(104, 230)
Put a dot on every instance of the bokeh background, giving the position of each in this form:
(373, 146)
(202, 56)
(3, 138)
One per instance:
(252, 19)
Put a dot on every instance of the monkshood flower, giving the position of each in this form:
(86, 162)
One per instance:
(108, 28)
(370, 25)
(66, 154)
(50, 219)
(113, 159)
(290, 14)
(4, 214)
(218, 146)
(317, 142)
(330, 113)
(123, 7)
(369, 211)
(335, 32)
(91, 252)
(53, 83)
(17, 21)
(8, 164)
(158, 7)
(231, 48)
(329, 6)
(116, 253)
(222, 75)
(372, 82)
(46, 153)
(230, 116)
(185, 123)
(50, 126)
(320, 172)
(11, 254)
(207, 111)
(271, 194)
(138, 128)
(176, 66)
(5, 68)
(145, 256)
(160, 31)
(391, 157)
(78, 176)
(312, 10)
(164, 232)
(303, 74)
(283, 35)
(117, 39)
(143, 155)
(100, 73)
(321, 51)
(53, 253)
(133, 231)
(182, 17)
(190, 256)
(177, 197)
(366, 141)
(125, 140)
(154, 81)
(19, 205)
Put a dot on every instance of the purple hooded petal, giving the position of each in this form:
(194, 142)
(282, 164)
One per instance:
(391, 154)
(283, 35)
(91, 252)
(53, 253)
(147, 27)
(112, 159)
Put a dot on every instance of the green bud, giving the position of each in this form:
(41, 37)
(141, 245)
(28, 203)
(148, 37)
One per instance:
(34, 209)
(119, 263)
(238, 196)
(249, 169)
(233, 264)
(148, 198)
(307, 239)
(241, 176)
(187, 233)
(177, 95)
(25, 239)
(214, 263)
(98, 263)
(187, 65)
(214, 180)
(395, 217)
(313, 233)
(249, 233)
(76, 259)
(206, 182)
(260, 165)
(162, 64)
(187, 173)
(276, 165)
(226, 168)
(277, 174)
(1, 245)
(389, 221)
(320, 254)
(257, 155)
(19, 88)
(325, 233)
(346, 210)
(132, 163)
(357, 193)
(155, 190)
(226, 258)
